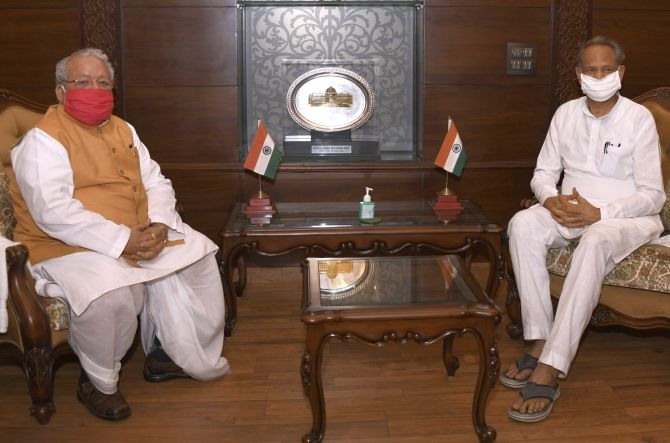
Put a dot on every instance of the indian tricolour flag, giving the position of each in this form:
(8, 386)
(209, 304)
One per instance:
(452, 156)
(263, 158)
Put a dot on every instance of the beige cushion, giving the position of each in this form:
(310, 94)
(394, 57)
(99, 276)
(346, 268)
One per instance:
(15, 121)
(647, 268)
(635, 303)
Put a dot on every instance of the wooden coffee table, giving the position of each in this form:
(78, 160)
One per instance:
(381, 300)
(332, 229)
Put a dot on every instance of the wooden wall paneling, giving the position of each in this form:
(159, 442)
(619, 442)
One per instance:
(498, 190)
(496, 123)
(624, 5)
(39, 4)
(644, 35)
(468, 45)
(489, 3)
(207, 197)
(33, 41)
(340, 186)
(177, 3)
(186, 124)
(180, 46)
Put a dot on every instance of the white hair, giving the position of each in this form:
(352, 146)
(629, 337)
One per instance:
(62, 66)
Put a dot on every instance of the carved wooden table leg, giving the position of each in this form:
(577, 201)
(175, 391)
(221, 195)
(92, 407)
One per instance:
(233, 289)
(451, 362)
(489, 366)
(229, 297)
(242, 275)
(513, 307)
(311, 381)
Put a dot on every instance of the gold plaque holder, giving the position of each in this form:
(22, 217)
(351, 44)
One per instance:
(260, 209)
(446, 204)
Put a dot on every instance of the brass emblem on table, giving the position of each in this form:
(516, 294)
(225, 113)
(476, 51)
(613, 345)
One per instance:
(331, 98)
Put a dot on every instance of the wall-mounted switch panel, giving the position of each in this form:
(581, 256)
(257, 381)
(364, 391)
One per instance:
(521, 58)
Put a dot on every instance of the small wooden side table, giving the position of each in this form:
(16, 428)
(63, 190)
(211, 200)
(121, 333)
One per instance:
(378, 300)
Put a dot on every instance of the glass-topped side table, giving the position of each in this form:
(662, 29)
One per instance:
(378, 300)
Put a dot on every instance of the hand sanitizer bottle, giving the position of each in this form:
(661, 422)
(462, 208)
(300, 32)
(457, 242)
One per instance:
(366, 209)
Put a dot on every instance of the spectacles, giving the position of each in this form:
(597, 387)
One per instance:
(593, 71)
(84, 84)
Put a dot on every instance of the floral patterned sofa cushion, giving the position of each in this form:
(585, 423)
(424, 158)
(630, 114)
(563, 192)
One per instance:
(7, 221)
(56, 309)
(648, 267)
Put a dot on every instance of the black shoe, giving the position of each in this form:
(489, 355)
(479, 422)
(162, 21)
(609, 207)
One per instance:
(158, 367)
(106, 406)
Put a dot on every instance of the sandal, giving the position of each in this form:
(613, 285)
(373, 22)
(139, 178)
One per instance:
(106, 406)
(533, 390)
(526, 361)
(159, 367)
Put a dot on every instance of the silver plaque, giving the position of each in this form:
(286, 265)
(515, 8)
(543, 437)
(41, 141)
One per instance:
(343, 278)
(330, 99)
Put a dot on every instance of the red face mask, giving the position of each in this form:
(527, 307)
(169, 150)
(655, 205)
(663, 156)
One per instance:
(89, 106)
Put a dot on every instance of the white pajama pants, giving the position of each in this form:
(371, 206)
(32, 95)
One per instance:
(185, 310)
(601, 245)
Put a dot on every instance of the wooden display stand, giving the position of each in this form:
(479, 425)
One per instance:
(446, 206)
(260, 209)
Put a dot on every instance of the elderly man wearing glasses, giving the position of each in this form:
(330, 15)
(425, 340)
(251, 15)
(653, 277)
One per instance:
(99, 220)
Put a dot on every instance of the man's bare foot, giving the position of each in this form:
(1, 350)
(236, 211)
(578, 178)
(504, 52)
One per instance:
(542, 375)
(535, 350)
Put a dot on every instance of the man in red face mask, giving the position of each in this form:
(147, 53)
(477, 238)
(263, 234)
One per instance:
(99, 220)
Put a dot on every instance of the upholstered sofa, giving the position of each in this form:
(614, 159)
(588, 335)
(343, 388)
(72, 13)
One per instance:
(636, 293)
(37, 327)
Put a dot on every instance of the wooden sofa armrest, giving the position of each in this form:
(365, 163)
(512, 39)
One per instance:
(34, 321)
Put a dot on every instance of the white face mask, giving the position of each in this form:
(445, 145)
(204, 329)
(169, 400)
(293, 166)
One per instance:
(603, 89)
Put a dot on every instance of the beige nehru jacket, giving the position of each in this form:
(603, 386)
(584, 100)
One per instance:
(106, 175)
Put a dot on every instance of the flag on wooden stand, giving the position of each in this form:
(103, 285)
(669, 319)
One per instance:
(263, 157)
(452, 156)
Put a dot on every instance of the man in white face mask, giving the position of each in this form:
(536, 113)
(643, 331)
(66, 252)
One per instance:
(606, 147)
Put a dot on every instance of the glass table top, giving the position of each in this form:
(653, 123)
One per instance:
(336, 283)
(334, 215)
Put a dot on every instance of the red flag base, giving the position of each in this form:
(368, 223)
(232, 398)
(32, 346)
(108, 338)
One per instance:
(259, 210)
(446, 206)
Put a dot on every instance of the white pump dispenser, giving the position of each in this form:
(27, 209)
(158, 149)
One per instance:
(366, 209)
(367, 197)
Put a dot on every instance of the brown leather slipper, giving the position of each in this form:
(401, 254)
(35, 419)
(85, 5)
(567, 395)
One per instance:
(159, 367)
(106, 406)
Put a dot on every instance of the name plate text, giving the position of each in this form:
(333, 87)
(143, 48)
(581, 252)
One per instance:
(331, 149)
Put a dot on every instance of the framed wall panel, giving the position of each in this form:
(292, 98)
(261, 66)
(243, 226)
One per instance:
(186, 124)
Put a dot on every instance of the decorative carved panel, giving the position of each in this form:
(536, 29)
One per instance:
(101, 21)
(571, 23)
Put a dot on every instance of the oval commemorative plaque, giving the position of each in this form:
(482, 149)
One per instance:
(330, 99)
(343, 278)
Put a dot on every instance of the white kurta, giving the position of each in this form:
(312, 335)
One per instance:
(613, 162)
(45, 178)
(42, 169)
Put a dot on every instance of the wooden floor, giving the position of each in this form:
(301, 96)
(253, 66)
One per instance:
(618, 390)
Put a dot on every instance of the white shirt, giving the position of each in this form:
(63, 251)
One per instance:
(613, 161)
(44, 175)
